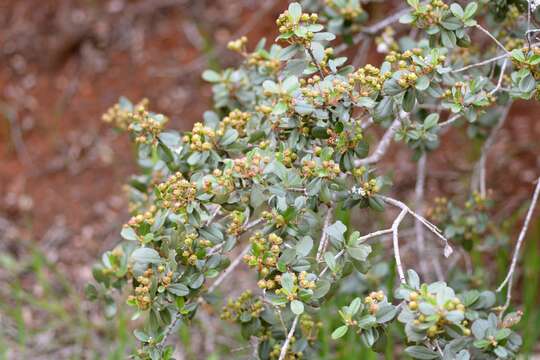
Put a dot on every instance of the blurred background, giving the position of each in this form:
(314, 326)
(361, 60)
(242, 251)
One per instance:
(63, 63)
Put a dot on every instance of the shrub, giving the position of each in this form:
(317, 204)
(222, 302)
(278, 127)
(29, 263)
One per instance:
(267, 174)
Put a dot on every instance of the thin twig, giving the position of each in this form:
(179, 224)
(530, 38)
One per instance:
(288, 339)
(324, 236)
(382, 147)
(395, 242)
(312, 56)
(481, 63)
(450, 121)
(485, 31)
(229, 269)
(480, 168)
(509, 277)
(501, 76)
(434, 229)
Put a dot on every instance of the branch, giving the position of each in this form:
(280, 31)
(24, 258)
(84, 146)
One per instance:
(482, 63)
(288, 339)
(510, 275)
(480, 167)
(501, 75)
(324, 236)
(447, 248)
(382, 147)
(478, 26)
(450, 121)
(395, 241)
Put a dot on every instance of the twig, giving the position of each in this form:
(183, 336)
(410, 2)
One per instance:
(481, 63)
(434, 229)
(501, 75)
(480, 168)
(229, 269)
(509, 277)
(450, 121)
(288, 339)
(395, 242)
(382, 147)
(324, 236)
(419, 199)
(485, 31)
(312, 56)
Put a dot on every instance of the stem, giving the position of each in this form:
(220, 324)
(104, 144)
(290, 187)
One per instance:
(395, 242)
(324, 236)
(521, 237)
(485, 31)
(288, 339)
(447, 248)
(383, 146)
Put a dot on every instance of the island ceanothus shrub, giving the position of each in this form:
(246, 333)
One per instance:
(261, 179)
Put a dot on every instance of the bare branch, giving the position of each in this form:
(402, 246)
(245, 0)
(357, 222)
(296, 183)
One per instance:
(501, 76)
(382, 147)
(447, 248)
(288, 339)
(324, 236)
(480, 167)
(509, 277)
(395, 242)
(485, 31)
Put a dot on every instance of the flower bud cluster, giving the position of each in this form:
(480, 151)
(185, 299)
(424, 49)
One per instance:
(245, 306)
(264, 254)
(177, 193)
(369, 80)
(286, 25)
(238, 45)
(201, 138)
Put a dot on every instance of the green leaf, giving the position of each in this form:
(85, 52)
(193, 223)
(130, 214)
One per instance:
(406, 19)
(409, 100)
(527, 83)
(421, 352)
(518, 55)
(376, 204)
(211, 76)
(295, 12)
(355, 305)
(339, 332)
(430, 121)
(413, 3)
(297, 307)
(304, 246)
(129, 234)
(422, 83)
(230, 136)
(457, 10)
(336, 230)
(359, 253)
(470, 10)
(146, 255)
(287, 282)
(178, 289)
(412, 279)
